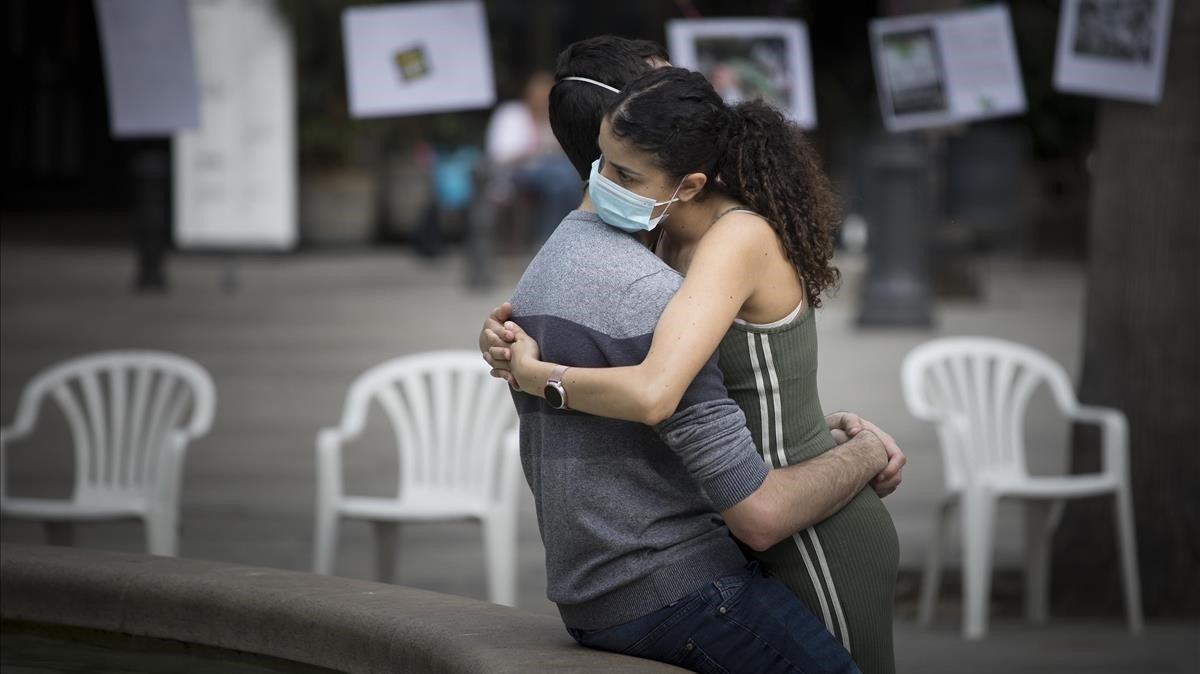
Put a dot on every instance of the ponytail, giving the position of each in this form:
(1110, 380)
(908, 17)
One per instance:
(749, 152)
(770, 166)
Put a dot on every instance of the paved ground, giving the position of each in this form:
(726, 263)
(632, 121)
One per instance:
(285, 346)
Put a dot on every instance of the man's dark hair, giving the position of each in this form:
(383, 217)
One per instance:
(576, 108)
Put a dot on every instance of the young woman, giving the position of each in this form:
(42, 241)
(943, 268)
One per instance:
(745, 213)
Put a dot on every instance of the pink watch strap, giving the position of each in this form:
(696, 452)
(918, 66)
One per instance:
(557, 373)
(556, 376)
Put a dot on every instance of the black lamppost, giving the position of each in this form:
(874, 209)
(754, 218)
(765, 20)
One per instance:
(152, 224)
(899, 217)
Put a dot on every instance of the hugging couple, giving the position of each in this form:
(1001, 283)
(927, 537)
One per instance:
(697, 505)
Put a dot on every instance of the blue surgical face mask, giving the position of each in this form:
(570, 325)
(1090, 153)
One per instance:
(621, 208)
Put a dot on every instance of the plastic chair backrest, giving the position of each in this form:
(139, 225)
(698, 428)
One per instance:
(448, 415)
(121, 407)
(976, 390)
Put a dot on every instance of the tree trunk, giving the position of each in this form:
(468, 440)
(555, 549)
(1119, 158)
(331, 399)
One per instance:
(1141, 343)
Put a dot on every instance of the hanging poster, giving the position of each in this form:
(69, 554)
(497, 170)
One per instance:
(1113, 48)
(946, 68)
(746, 59)
(417, 58)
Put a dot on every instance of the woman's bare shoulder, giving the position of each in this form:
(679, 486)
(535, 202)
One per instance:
(742, 230)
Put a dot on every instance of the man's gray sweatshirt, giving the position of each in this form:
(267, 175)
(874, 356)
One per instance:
(627, 512)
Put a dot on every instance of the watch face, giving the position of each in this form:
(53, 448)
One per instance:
(553, 396)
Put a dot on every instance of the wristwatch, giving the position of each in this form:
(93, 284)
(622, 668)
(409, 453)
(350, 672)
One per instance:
(555, 394)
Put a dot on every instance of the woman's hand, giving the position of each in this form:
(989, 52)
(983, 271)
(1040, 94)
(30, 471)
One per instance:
(494, 339)
(519, 361)
(514, 357)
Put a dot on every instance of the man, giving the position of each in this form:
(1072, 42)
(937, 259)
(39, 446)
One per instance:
(637, 558)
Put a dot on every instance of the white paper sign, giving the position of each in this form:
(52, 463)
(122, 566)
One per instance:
(417, 58)
(1113, 48)
(746, 59)
(148, 66)
(939, 69)
(235, 178)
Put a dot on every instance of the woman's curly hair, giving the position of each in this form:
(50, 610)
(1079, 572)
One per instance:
(750, 152)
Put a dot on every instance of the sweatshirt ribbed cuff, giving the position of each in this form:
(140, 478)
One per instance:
(736, 482)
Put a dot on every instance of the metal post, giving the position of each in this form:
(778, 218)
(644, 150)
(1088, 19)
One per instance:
(229, 273)
(152, 226)
(897, 289)
(481, 233)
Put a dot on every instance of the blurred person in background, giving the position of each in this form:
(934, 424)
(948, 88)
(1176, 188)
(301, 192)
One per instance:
(525, 158)
(452, 172)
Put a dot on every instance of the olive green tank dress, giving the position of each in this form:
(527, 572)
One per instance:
(843, 568)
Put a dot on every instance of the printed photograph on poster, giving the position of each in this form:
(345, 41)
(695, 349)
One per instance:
(748, 59)
(1113, 48)
(946, 68)
(417, 58)
(915, 77)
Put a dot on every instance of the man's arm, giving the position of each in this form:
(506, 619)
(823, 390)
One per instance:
(796, 497)
(762, 507)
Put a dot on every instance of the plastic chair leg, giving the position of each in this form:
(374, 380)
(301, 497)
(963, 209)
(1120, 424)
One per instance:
(386, 540)
(1038, 530)
(325, 540)
(1129, 563)
(978, 521)
(162, 532)
(500, 548)
(931, 577)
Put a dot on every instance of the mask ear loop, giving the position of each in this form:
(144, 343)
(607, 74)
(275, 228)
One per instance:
(673, 194)
(599, 84)
(668, 202)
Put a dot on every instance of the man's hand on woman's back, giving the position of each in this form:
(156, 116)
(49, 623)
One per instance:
(846, 425)
(798, 496)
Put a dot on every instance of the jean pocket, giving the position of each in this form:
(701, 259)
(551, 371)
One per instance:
(691, 656)
(731, 586)
(678, 611)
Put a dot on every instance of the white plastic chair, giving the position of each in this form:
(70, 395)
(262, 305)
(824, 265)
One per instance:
(459, 459)
(126, 411)
(976, 390)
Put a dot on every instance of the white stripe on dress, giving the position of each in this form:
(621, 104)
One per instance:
(813, 576)
(815, 579)
(762, 399)
(837, 604)
(775, 399)
(773, 377)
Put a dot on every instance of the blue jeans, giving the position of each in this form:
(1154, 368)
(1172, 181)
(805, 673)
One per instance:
(558, 187)
(744, 622)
